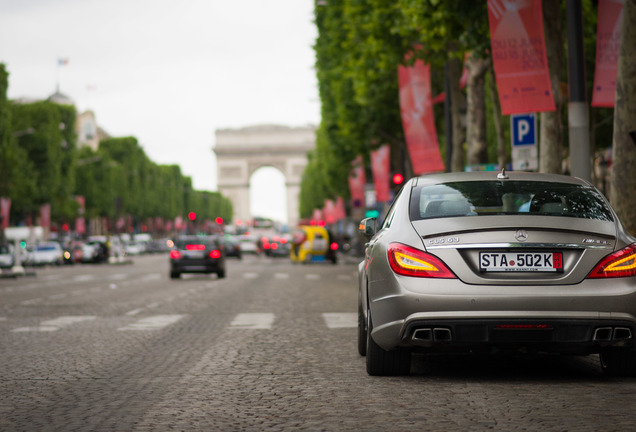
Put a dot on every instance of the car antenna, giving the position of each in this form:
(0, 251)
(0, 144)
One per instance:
(502, 175)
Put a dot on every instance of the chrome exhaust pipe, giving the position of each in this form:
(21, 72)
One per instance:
(603, 334)
(442, 335)
(425, 335)
(622, 333)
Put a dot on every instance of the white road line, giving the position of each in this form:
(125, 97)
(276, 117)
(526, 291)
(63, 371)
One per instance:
(341, 320)
(118, 276)
(253, 321)
(345, 277)
(281, 275)
(151, 277)
(134, 312)
(312, 276)
(153, 323)
(55, 324)
(83, 278)
(250, 275)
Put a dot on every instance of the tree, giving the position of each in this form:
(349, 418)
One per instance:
(623, 176)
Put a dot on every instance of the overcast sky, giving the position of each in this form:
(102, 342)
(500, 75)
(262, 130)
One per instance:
(168, 72)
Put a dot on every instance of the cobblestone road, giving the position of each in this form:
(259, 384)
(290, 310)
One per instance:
(271, 347)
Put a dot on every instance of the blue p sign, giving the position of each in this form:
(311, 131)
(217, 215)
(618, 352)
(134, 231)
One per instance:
(524, 129)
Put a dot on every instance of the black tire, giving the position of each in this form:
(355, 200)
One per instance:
(362, 332)
(175, 275)
(618, 362)
(385, 363)
(220, 274)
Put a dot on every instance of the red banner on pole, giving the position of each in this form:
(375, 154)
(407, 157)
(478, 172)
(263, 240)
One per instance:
(608, 38)
(357, 180)
(329, 212)
(5, 209)
(380, 165)
(418, 120)
(45, 215)
(519, 57)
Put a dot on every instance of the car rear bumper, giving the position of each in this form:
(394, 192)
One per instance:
(576, 318)
(195, 267)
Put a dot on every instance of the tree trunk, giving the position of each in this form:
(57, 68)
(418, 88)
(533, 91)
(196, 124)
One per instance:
(623, 177)
(457, 102)
(476, 142)
(502, 148)
(551, 124)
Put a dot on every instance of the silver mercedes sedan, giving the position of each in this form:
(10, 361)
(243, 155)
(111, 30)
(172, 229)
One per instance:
(497, 262)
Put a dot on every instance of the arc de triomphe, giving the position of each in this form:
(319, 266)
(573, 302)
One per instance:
(240, 152)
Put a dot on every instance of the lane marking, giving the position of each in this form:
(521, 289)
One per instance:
(341, 320)
(83, 278)
(312, 276)
(151, 277)
(153, 323)
(345, 277)
(253, 321)
(250, 275)
(55, 324)
(134, 312)
(281, 275)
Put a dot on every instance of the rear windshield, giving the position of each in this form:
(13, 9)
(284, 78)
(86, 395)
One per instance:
(484, 198)
(207, 243)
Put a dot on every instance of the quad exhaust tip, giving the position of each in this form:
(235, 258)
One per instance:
(432, 335)
(607, 334)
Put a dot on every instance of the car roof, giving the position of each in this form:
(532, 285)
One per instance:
(493, 175)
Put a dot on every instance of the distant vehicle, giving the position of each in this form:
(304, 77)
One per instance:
(276, 245)
(312, 244)
(46, 253)
(133, 248)
(232, 247)
(197, 254)
(6, 256)
(94, 252)
(486, 262)
(248, 244)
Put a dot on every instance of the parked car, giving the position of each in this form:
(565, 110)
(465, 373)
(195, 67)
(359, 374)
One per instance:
(46, 253)
(6, 256)
(486, 262)
(232, 247)
(197, 254)
(249, 244)
(94, 251)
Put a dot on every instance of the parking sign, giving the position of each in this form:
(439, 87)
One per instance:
(523, 129)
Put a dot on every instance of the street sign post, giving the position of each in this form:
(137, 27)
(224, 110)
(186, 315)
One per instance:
(525, 154)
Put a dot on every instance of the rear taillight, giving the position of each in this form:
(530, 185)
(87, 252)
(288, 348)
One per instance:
(195, 247)
(175, 254)
(408, 261)
(618, 264)
(215, 254)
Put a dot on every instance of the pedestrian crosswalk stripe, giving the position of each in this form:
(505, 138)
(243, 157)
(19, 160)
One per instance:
(341, 320)
(153, 323)
(253, 321)
(55, 324)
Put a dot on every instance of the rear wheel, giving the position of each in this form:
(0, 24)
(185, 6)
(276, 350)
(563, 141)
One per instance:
(221, 274)
(381, 362)
(175, 275)
(362, 332)
(618, 362)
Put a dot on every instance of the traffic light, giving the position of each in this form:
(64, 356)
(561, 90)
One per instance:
(397, 179)
(192, 216)
(219, 220)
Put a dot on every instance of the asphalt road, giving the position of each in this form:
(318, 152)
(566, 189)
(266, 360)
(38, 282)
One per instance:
(271, 347)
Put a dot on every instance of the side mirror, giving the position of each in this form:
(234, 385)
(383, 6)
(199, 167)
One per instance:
(368, 227)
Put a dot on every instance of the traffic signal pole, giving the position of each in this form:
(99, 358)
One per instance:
(578, 110)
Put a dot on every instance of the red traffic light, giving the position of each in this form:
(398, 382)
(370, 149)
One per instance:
(192, 216)
(219, 221)
(398, 178)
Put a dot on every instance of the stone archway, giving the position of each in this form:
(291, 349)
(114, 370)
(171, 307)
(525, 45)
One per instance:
(240, 152)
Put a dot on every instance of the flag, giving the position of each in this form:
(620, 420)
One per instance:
(519, 57)
(5, 207)
(608, 38)
(418, 119)
(357, 181)
(380, 165)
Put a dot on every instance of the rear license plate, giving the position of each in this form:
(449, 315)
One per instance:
(521, 261)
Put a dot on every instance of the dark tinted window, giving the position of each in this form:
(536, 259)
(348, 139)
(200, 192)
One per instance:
(508, 198)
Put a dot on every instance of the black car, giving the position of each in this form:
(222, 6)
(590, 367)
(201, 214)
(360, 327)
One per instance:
(197, 254)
